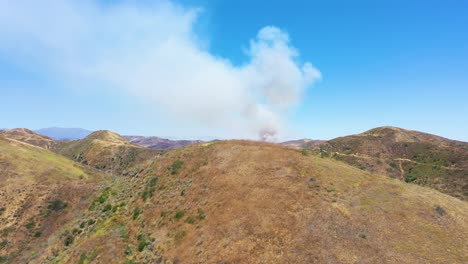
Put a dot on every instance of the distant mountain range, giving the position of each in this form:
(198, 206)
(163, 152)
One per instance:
(160, 143)
(60, 133)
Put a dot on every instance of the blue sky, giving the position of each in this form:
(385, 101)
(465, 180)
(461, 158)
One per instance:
(398, 63)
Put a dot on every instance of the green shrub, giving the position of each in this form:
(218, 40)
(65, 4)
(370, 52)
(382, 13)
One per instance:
(7, 231)
(189, 220)
(123, 232)
(324, 154)
(151, 191)
(201, 214)
(87, 258)
(68, 240)
(410, 178)
(106, 208)
(83, 259)
(2, 209)
(361, 166)
(30, 225)
(305, 152)
(91, 222)
(176, 166)
(393, 165)
(142, 245)
(128, 251)
(153, 181)
(37, 234)
(83, 224)
(57, 205)
(102, 198)
(3, 244)
(136, 213)
(144, 195)
(179, 214)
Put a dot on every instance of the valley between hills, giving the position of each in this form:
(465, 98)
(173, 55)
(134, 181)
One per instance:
(387, 195)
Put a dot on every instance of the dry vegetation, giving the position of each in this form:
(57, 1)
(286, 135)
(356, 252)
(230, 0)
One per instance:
(28, 136)
(106, 151)
(220, 202)
(246, 202)
(39, 192)
(410, 156)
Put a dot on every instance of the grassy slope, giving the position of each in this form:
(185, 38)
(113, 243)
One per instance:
(247, 202)
(30, 179)
(105, 151)
(28, 136)
(410, 156)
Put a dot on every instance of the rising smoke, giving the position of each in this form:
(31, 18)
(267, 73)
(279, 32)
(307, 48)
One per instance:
(151, 52)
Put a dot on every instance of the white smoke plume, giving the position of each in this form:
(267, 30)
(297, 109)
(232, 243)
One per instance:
(151, 52)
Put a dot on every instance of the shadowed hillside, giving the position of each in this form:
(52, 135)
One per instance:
(39, 192)
(106, 151)
(247, 202)
(28, 136)
(407, 155)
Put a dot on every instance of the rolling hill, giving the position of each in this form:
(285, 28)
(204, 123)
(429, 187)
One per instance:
(106, 151)
(407, 155)
(250, 202)
(39, 192)
(160, 143)
(28, 136)
(302, 143)
(230, 201)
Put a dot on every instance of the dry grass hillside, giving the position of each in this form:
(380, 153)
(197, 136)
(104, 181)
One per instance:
(302, 143)
(160, 143)
(106, 151)
(407, 155)
(39, 192)
(28, 136)
(248, 202)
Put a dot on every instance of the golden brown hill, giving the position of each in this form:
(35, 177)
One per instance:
(302, 143)
(407, 155)
(28, 136)
(247, 202)
(39, 192)
(106, 151)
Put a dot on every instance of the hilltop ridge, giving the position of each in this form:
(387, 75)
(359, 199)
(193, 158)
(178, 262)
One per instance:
(105, 150)
(28, 136)
(408, 155)
(108, 136)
